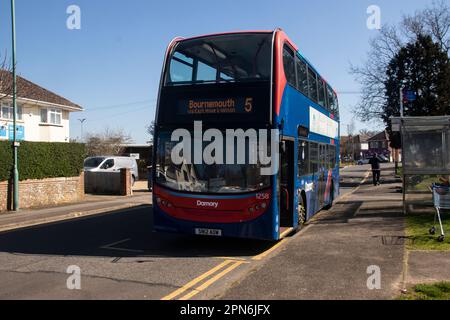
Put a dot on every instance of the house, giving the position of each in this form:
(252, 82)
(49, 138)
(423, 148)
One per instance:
(353, 147)
(42, 116)
(379, 144)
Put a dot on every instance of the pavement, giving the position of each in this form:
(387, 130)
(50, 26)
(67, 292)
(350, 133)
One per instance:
(90, 206)
(427, 267)
(330, 259)
(120, 258)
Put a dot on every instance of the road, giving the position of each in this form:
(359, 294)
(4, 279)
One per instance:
(119, 258)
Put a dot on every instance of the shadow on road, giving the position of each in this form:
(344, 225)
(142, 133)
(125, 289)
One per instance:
(121, 234)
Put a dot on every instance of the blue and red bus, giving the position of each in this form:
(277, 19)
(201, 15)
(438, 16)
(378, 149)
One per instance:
(252, 79)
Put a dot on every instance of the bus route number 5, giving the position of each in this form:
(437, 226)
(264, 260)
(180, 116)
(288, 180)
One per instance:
(248, 105)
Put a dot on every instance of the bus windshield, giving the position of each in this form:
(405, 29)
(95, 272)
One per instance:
(221, 59)
(217, 178)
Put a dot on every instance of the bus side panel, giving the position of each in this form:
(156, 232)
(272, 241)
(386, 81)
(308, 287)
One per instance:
(295, 112)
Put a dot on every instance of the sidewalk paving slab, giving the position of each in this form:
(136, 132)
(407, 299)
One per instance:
(428, 267)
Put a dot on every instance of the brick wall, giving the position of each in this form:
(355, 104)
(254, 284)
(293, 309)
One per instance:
(41, 193)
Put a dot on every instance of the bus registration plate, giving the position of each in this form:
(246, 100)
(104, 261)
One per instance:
(208, 232)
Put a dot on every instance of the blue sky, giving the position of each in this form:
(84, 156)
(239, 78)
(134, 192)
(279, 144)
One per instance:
(112, 65)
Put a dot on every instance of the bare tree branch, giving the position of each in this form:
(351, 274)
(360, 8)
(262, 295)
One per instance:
(371, 75)
(108, 143)
(6, 85)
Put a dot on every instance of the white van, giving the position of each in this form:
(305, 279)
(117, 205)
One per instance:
(112, 164)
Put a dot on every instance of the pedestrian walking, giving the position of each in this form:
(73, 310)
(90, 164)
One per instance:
(376, 171)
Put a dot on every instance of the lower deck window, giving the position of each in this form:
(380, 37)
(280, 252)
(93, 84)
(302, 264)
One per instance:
(314, 157)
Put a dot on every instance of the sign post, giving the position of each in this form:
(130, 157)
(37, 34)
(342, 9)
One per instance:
(406, 96)
(15, 144)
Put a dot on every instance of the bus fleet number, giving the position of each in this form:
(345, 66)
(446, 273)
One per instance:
(262, 196)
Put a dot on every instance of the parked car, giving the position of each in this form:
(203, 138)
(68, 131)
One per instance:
(346, 159)
(112, 164)
(382, 158)
(362, 162)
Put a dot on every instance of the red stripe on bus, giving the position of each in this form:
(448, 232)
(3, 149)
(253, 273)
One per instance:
(212, 210)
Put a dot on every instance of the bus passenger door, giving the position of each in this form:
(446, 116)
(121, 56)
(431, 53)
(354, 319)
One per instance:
(286, 198)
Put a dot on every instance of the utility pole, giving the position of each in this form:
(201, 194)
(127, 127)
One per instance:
(82, 121)
(401, 104)
(15, 143)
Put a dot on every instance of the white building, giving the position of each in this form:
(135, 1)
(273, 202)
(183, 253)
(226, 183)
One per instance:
(42, 115)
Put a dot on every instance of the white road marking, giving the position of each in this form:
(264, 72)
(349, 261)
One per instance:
(112, 246)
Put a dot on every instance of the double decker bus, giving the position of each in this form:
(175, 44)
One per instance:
(244, 80)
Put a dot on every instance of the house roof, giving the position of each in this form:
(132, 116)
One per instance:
(382, 136)
(31, 91)
(357, 138)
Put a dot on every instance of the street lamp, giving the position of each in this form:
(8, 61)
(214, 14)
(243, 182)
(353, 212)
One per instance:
(82, 121)
(15, 143)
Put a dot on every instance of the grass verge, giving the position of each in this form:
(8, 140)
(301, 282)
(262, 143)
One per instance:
(417, 230)
(437, 291)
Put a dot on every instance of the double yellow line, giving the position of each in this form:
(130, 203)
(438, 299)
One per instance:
(196, 286)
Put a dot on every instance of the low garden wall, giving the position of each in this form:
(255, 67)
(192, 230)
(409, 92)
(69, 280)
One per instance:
(49, 174)
(43, 192)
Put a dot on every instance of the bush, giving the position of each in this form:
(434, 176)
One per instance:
(41, 160)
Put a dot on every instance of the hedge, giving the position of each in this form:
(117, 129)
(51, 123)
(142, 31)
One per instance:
(41, 160)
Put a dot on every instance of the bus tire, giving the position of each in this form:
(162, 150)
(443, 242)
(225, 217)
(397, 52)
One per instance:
(302, 211)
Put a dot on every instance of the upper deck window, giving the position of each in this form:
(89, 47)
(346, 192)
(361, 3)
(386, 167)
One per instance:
(289, 66)
(222, 58)
(333, 102)
(322, 94)
(312, 83)
(302, 77)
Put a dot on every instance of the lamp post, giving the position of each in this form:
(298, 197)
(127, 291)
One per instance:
(82, 121)
(15, 143)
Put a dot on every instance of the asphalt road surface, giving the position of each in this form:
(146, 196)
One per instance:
(120, 258)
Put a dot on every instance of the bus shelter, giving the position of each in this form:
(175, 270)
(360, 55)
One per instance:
(425, 160)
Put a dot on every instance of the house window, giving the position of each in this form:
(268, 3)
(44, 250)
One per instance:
(7, 112)
(51, 116)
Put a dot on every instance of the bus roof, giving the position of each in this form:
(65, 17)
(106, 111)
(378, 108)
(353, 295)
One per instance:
(295, 47)
(226, 33)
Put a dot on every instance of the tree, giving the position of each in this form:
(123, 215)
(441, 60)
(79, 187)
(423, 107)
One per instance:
(367, 133)
(6, 83)
(151, 131)
(108, 143)
(433, 21)
(422, 66)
